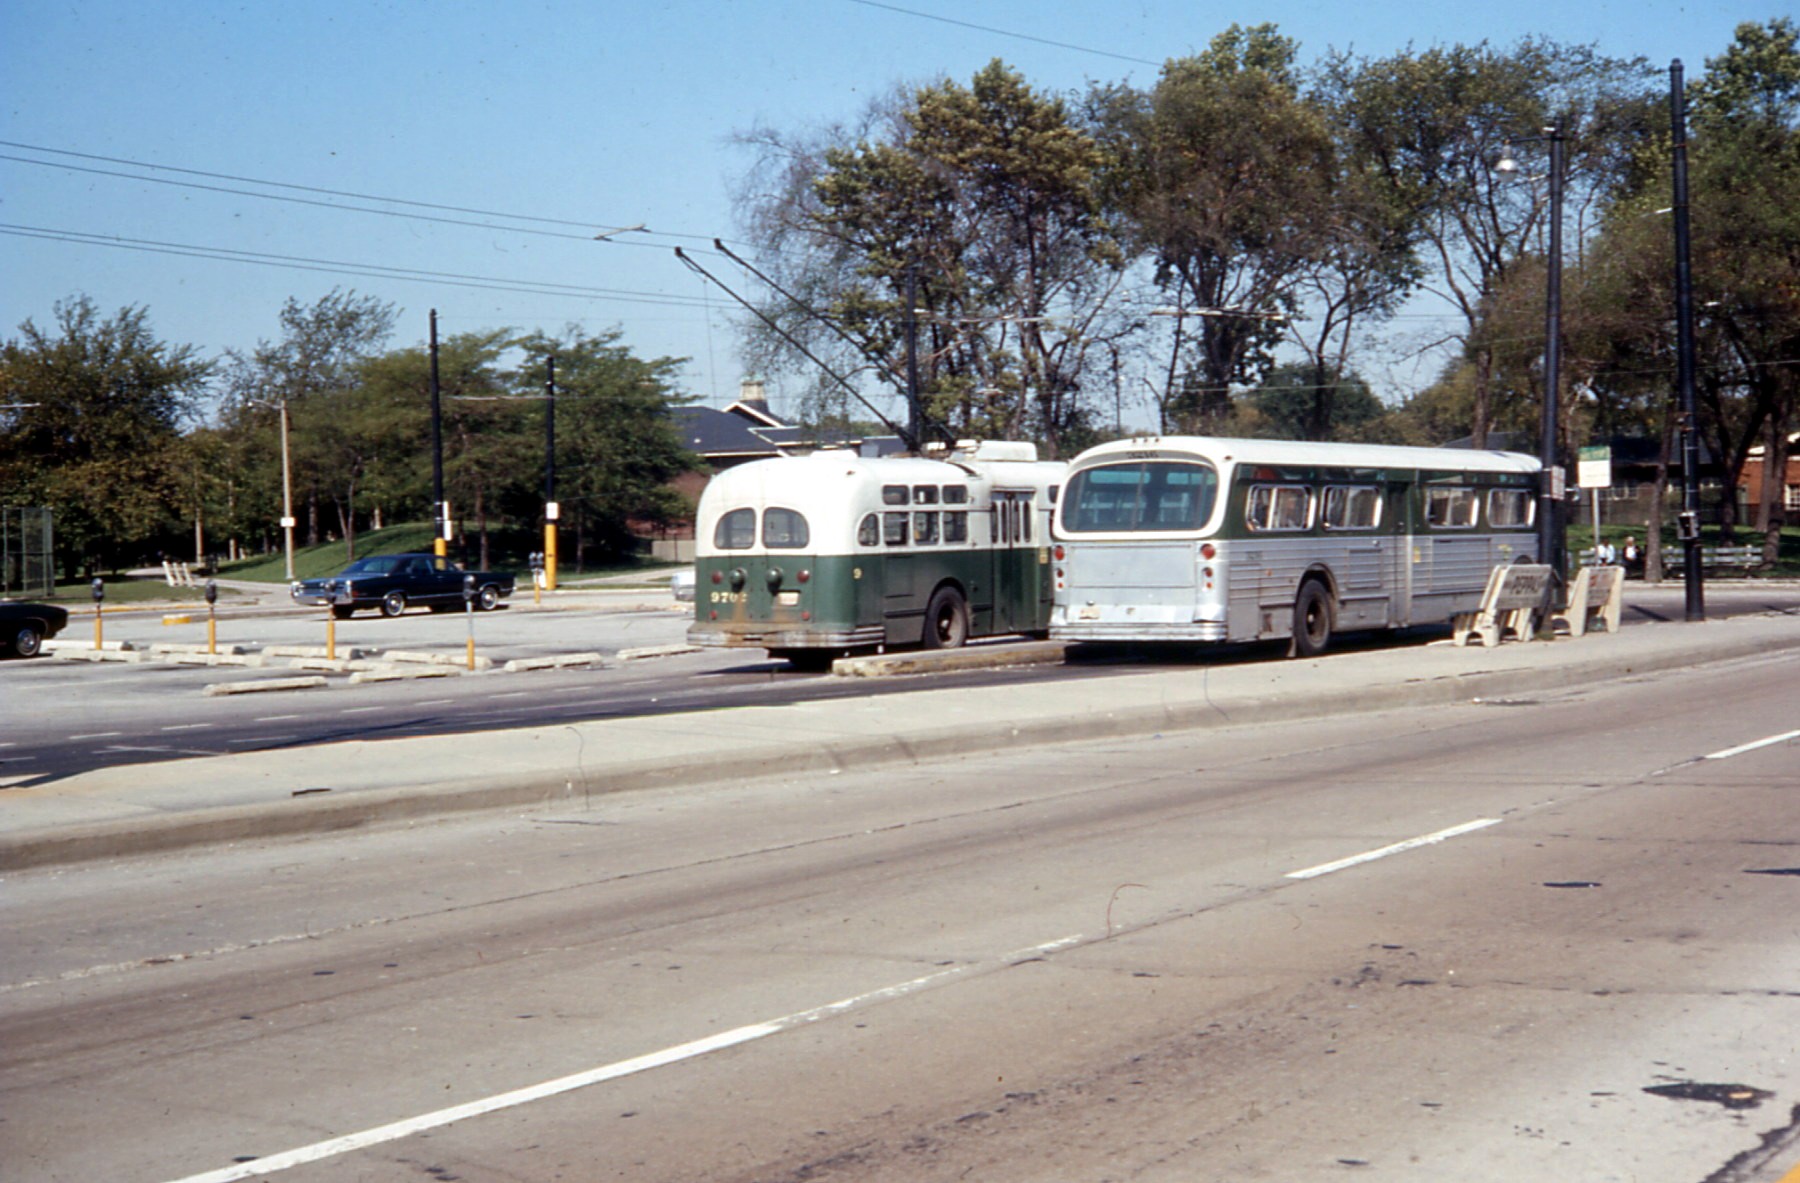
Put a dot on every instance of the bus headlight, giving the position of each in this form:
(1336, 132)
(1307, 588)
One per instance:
(737, 578)
(773, 578)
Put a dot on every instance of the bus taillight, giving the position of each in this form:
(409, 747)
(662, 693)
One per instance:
(803, 576)
(718, 577)
(1058, 554)
(1208, 551)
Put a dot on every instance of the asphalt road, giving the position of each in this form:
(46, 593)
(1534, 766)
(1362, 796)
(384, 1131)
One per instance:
(1464, 943)
(83, 716)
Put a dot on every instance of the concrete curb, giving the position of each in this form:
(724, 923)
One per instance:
(261, 685)
(567, 780)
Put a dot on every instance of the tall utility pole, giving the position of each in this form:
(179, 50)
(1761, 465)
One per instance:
(1550, 535)
(440, 512)
(1689, 529)
(551, 509)
(915, 417)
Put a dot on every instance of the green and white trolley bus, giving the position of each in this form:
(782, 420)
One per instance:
(1187, 538)
(811, 557)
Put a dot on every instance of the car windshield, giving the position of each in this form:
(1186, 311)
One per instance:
(379, 565)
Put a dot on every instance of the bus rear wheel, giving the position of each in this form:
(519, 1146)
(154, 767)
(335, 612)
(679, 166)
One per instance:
(946, 620)
(1312, 619)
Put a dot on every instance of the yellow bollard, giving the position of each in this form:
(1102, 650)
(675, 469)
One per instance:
(330, 634)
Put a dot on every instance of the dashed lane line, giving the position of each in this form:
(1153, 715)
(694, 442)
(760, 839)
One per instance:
(1370, 856)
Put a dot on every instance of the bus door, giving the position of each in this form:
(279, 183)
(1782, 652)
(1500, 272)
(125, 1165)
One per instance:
(1411, 561)
(1015, 561)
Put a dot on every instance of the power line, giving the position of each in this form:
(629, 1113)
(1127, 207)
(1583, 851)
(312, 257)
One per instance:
(342, 267)
(926, 16)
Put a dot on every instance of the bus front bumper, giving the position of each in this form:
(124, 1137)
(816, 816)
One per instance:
(1131, 622)
(711, 636)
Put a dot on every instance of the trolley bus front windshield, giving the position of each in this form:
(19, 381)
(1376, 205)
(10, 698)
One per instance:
(1142, 497)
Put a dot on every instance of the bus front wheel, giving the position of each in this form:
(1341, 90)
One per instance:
(946, 620)
(1312, 619)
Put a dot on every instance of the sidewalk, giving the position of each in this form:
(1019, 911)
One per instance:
(134, 809)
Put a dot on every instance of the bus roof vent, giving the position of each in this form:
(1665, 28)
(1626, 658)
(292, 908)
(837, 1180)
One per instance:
(997, 449)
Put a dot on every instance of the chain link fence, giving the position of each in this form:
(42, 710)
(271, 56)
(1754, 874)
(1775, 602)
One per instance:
(27, 551)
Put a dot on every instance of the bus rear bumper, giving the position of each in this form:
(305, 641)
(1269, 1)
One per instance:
(1119, 630)
(711, 636)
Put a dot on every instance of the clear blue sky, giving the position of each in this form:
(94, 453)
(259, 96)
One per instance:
(597, 115)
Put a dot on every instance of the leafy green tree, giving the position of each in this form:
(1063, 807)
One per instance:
(96, 407)
(314, 369)
(1288, 400)
(1224, 173)
(617, 448)
(974, 204)
(1434, 123)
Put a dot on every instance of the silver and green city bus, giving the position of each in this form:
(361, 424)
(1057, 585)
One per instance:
(811, 557)
(1189, 538)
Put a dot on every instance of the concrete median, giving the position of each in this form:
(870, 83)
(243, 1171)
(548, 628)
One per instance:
(149, 807)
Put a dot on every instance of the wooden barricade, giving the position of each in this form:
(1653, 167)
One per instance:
(1596, 597)
(1509, 606)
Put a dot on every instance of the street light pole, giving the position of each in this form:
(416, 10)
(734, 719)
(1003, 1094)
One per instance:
(440, 545)
(1693, 572)
(1550, 479)
(287, 492)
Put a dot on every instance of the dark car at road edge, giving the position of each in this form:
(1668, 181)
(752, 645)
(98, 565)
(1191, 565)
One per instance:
(24, 627)
(389, 583)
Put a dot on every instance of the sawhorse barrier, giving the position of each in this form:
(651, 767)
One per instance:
(1596, 597)
(1509, 606)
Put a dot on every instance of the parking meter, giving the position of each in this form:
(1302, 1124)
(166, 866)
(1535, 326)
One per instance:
(99, 590)
(99, 595)
(212, 593)
(469, 611)
(469, 590)
(212, 624)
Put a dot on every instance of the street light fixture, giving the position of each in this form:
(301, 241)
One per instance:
(1550, 483)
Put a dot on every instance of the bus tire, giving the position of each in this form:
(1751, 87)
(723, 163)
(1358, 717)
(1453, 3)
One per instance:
(1312, 619)
(946, 620)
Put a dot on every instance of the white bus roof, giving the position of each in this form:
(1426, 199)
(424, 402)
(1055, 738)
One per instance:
(1225, 450)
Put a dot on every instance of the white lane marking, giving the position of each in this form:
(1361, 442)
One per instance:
(97, 735)
(189, 726)
(275, 718)
(393, 1131)
(1728, 753)
(359, 710)
(262, 739)
(1398, 847)
(436, 702)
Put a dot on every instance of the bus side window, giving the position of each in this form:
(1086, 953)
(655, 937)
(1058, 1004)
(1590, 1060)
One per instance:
(925, 529)
(994, 522)
(736, 530)
(1278, 507)
(1352, 507)
(1509, 508)
(893, 495)
(893, 529)
(925, 495)
(1024, 521)
(956, 525)
(868, 533)
(956, 494)
(1451, 508)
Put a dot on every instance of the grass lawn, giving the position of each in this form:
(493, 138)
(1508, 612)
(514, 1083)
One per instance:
(1581, 537)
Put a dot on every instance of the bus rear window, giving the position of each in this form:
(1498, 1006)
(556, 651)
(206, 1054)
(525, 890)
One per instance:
(736, 530)
(1149, 496)
(1509, 507)
(784, 529)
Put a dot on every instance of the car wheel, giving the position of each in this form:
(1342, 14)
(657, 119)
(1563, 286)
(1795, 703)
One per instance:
(946, 620)
(1312, 619)
(393, 604)
(488, 599)
(27, 641)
